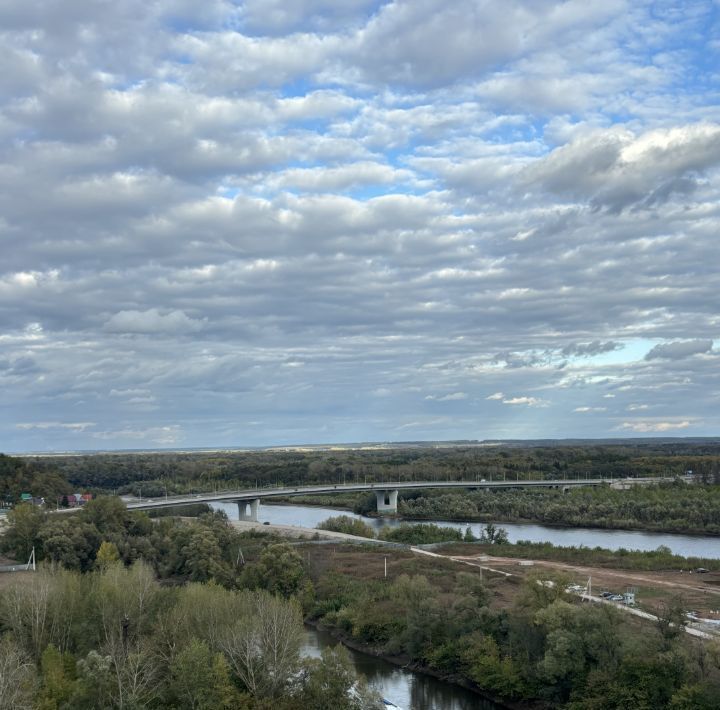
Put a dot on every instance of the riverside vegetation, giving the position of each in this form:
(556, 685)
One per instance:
(667, 507)
(181, 472)
(420, 534)
(129, 613)
(134, 613)
(672, 507)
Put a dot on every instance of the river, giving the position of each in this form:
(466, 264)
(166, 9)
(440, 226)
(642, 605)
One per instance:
(408, 690)
(686, 545)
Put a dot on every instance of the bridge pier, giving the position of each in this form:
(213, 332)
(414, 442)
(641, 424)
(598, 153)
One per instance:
(386, 501)
(248, 509)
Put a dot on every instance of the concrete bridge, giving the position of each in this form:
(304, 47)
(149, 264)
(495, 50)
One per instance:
(248, 500)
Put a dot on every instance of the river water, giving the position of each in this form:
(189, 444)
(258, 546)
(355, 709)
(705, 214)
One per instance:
(686, 545)
(408, 690)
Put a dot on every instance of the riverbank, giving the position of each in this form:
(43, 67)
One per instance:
(407, 663)
(690, 532)
(297, 532)
(672, 508)
(444, 616)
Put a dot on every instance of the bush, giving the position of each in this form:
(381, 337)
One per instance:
(422, 534)
(349, 526)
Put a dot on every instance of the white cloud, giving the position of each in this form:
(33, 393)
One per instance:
(654, 427)
(72, 426)
(162, 435)
(616, 168)
(152, 321)
(406, 198)
(451, 397)
(527, 401)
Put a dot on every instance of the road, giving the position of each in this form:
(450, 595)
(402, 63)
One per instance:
(247, 494)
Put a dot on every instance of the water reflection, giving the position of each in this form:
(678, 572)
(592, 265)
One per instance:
(408, 690)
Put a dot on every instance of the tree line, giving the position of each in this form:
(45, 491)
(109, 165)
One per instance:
(154, 474)
(675, 507)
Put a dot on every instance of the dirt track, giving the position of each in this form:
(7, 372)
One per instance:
(672, 580)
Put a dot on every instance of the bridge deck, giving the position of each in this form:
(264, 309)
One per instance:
(260, 493)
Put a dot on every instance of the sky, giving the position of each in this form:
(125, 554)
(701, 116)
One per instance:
(269, 222)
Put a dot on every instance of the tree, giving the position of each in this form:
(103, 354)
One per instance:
(279, 570)
(58, 675)
(107, 554)
(17, 677)
(24, 522)
(95, 683)
(200, 679)
(124, 600)
(330, 683)
(71, 543)
(494, 535)
(136, 674)
(349, 526)
(108, 513)
(671, 619)
(263, 647)
(202, 556)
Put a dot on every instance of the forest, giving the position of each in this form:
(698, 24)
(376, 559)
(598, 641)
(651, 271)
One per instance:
(671, 507)
(129, 612)
(668, 507)
(153, 473)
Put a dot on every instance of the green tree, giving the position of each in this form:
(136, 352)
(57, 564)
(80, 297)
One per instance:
(200, 679)
(489, 668)
(107, 554)
(108, 514)
(24, 522)
(202, 556)
(349, 526)
(279, 570)
(671, 619)
(95, 683)
(58, 676)
(71, 543)
(330, 683)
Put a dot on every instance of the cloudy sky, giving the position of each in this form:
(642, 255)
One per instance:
(266, 222)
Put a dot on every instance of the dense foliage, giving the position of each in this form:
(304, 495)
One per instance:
(177, 472)
(422, 534)
(674, 507)
(543, 649)
(18, 477)
(116, 639)
(349, 526)
(97, 629)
